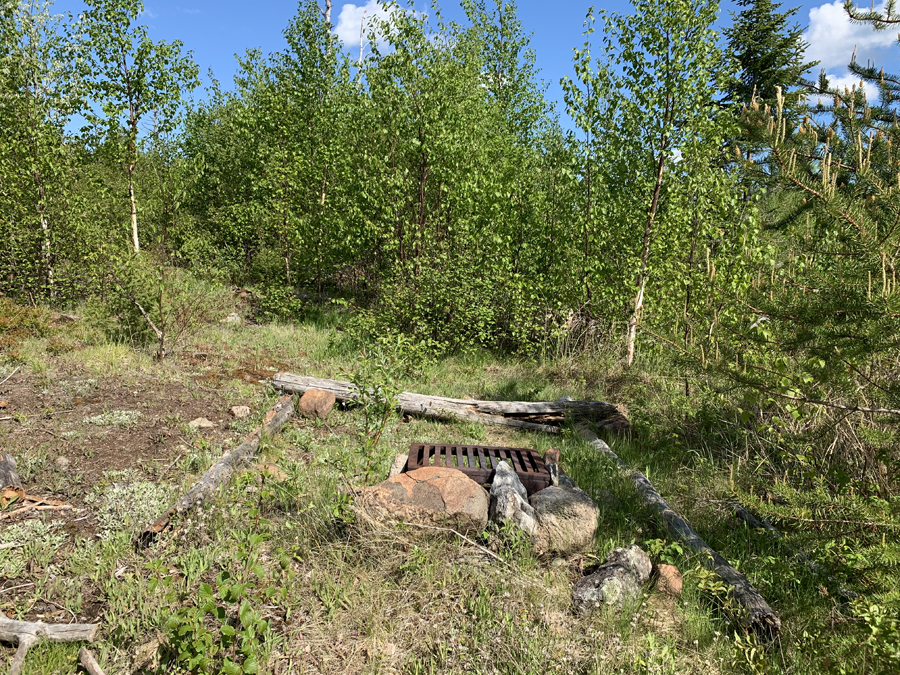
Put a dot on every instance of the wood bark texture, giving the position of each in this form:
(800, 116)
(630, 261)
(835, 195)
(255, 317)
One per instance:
(88, 662)
(27, 633)
(8, 475)
(536, 416)
(220, 472)
(755, 613)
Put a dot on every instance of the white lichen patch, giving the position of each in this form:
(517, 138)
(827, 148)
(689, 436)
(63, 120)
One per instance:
(128, 506)
(29, 540)
(114, 418)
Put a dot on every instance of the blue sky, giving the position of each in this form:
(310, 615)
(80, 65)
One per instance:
(215, 30)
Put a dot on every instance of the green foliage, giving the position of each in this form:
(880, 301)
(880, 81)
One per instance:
(19, 323)
(767, 54)
(648, 185)
(130, 76)
(883, 623)
(664, 552)
(40, 89)
(222, 630)
(150, 302)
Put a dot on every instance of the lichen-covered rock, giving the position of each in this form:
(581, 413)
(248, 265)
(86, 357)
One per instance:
(316, 403)
(429, 496)
(617, 582)
(566, 520)
(508, 500)
(634, 558)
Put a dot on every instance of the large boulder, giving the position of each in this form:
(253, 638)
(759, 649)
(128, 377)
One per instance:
(437, 496)
(566, 520)
(617, 582)
(509, 500)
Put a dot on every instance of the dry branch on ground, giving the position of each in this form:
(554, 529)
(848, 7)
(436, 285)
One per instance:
(754, 612)
(27, 633)
(219, 473)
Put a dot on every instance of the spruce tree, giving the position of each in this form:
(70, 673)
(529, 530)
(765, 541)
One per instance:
(766, 52)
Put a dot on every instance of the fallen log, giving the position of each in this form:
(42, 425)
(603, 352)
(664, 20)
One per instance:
(88, 662)
(219, 473)
(761, 523)
(755, 614)
(27, 633)
(502, 413)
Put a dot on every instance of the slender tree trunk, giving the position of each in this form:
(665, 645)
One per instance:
(39, 184)
(134, 230)
(645, 255)
(648, 227)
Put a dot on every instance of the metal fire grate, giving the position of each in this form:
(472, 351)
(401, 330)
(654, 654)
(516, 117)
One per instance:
(478, 462)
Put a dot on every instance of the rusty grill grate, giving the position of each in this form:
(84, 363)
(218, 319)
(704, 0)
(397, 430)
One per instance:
(478, 462)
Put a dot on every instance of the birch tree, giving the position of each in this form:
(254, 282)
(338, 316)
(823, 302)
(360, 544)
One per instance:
(131, 77)
(653, 131)
(39, 92)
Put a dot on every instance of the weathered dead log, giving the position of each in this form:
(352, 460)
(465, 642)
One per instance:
(502, 413)
(760, 523)
(88, 662)
(27, 633)
(219, 473)
(8, 475)
(755, 614)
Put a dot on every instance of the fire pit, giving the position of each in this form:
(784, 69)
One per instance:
(479, 462)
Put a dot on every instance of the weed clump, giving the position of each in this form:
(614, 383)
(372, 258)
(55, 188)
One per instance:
(127, 506)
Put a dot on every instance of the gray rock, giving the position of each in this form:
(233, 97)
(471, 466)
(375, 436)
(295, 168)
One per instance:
(634, 558)
(505, 479)
(567, 520)
(201, 423)
(240, 412)
(562, 480)
(233, 319)
(62, 463)
(508, 500)
(617, 582)
(398, 465)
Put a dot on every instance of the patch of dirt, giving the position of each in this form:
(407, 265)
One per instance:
(99, 425)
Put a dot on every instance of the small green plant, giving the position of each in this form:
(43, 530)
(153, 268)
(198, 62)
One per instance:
(749, 655)
(664, 552)
(883, 623)
(375, 381)
(221, 629)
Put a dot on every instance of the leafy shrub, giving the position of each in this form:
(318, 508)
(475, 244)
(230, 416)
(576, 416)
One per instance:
(148, 303)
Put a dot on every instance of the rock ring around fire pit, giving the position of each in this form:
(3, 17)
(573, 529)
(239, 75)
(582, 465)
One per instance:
(440, 485)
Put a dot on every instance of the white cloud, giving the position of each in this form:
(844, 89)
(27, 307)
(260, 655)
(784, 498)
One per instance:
(832, 37)
(847, 81)
(351, 18)
(147, 13)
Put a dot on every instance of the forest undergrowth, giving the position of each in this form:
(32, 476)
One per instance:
(278, 576)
